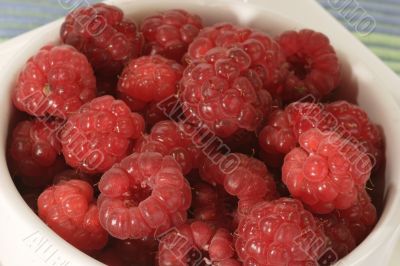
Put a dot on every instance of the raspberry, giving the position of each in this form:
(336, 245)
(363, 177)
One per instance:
(340, 239)
(144, 194)
(100, 134)
(222, 93)
(277, 138)
(195, 244)
(56, 81)
(168, 108)
(170, 32)
(149, 79)
(35, 152)
(313, 65)
(264, 56)
(212, 205)
(354, 123)
(279, 232)
(171, 138)
(326, 171)
(360, 217)
(245, 177)
(102, 33)
(69, 209)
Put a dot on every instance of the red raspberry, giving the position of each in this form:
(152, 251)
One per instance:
(102, 33)
(56, 81)
(170, 32)
(326, 171)
(149, 79)
(277, 138)
(212, 205)
(353, 123)
(144, 194)
(222, 93)
(100, 134)
(340, 239)
(313, 64)
(281, 133)
(69, 209)
(244, 177)
(279, 232)
(196, 244)
(264, 55)
(172, 138)
(360, 217)
(35, 152)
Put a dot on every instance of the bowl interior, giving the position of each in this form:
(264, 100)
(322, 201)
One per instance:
(360, 84)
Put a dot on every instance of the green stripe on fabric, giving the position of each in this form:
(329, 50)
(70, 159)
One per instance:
(395, 66)
(27, 13)
(390, 54)
(45, 3)
(380, 38)
(18, 26)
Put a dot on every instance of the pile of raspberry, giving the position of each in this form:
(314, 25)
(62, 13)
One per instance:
(169, 142)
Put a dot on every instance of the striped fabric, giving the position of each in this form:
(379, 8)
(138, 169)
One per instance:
(376, 23)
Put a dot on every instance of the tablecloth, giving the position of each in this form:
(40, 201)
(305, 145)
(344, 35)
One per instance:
(376, 23)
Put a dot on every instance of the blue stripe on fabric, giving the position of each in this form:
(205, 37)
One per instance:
(33, 7)
(25, 19)
(389, 9)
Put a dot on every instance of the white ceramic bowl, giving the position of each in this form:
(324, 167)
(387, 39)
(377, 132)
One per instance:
(25, 240)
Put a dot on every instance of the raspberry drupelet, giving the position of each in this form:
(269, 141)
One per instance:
(70, 210)
(196, 244)
(246, 178)
(172, 138)
(35, 152)
(100, 134)
(326, 171)
(148, 79)
(170, 32)
(353, 122)
(102, 33)
(264, 56)
(222, 94)
(314, 67)
(279, 232)
(143, 195)
(55, 82)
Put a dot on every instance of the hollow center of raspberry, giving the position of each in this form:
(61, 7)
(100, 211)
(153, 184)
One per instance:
(300, 66)
(46, 89)
(137, 195)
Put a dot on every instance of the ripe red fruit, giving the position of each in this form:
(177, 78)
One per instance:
(170, 32)
(195, 244)
(149, 79)
(326, 171)
(246, 178)
(35, 152)
(222, 94)
(55, 82)
(143, 195)
(172, 138)
(102, 33)
(353, 123)
(264, 56)
(279, 232)
(100, 134)
(71, 174)
(314, 67)
(69, 209)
